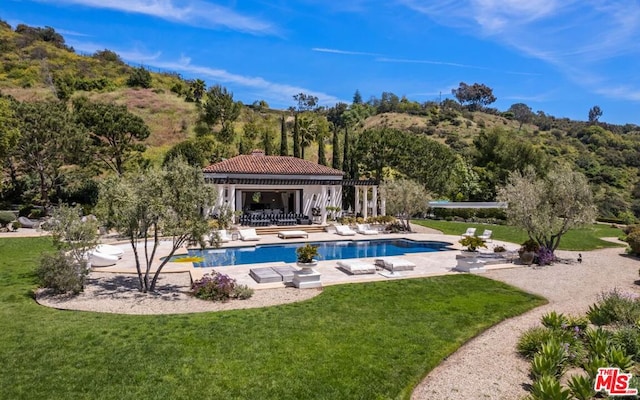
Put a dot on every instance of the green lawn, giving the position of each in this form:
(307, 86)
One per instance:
(368, 341)
(577, 239)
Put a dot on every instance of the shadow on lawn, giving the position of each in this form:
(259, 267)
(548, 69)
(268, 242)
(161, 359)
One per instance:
(128, 286)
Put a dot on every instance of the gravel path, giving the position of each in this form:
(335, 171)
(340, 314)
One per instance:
(488, 367)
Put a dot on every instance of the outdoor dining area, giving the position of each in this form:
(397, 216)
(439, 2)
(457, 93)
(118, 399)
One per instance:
(271, 217)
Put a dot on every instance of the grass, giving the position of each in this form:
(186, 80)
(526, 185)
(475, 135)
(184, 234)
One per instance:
(583, 239)
(374, 340)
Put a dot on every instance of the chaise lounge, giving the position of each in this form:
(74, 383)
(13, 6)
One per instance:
(344, 230)
(470, 232)
(356, 267)
(395, 264)
(248, 235)
(365, 229)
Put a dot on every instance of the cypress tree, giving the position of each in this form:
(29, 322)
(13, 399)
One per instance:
(335, 156)
(322, 157)
(345, 152)
(284, 145)
(296, 137)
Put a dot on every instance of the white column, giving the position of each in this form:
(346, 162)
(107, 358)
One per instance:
(323, 204)
(356, 206)
(365, 201)
(232, 200)
(383, 206)
(375, 201)
(220, 200)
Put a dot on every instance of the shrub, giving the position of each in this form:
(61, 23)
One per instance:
(6, 217)
(548, 387)
(546, 256)
(15, 225)
(62, 273)
(615, 307)
(531, 341)
(628, 339)
(554, 320)
(219, 287)
(550, 360)
(634, 241)
(581, 387)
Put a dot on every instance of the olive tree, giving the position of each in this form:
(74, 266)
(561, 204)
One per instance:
(404, 198)
(547, 208)
(153, 205)
(72, 233)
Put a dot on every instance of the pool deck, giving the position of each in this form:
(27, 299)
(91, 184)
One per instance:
(427, 264)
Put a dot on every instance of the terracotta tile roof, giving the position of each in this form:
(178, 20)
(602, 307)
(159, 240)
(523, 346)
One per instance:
(258, 163)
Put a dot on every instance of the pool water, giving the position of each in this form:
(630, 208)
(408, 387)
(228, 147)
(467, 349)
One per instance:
(328, 251)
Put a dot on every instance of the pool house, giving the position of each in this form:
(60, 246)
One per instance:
(286, 190)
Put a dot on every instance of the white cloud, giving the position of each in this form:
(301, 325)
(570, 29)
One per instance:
(264, 89)
(190, 12)
(346, 52)
(581, 39)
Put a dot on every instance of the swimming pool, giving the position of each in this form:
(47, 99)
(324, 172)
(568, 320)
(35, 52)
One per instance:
(328, 251)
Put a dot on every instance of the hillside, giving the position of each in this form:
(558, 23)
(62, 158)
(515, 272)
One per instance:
(38, 65)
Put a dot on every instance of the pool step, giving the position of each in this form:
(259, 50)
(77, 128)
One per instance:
(273, 230)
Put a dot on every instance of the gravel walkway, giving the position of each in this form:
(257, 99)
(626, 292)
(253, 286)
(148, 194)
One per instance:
(488, 367)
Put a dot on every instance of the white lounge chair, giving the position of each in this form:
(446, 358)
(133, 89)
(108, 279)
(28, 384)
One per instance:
(248, 234)
(356, 267)
(223, 236)
(27, 223)
(365, 229)
(470, 232)
(110, 250)
(344, 230)
(395, 264)
(97, 259)
(486, 235)
(292, 234)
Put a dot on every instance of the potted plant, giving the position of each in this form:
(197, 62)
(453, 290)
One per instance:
(307, 256)
(472, 243)
(528, 251)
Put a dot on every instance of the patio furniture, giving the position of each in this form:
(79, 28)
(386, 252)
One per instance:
(223, 236)
(265, 275)
(486, 235)
(469, 232)
(286, 272)
(395, 264)
(28, 223)
(470, 265)
(356, 267)
(97, 259)
(292, 234)
(248, 235)
(365, 229)
(344, 230)
(110, 250)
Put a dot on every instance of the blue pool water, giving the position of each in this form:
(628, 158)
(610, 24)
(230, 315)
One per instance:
(327, 250)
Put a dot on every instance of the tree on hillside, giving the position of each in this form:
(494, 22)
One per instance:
(497, 153)
(115, 132)
(152, 204)
(49, 140)
(594, 114)
(522, 113)
(547, 208)
(306, 102)
(336, 117)
(357, 97)
(9, 132)
(474, 96)
(219, 108)
(140, 77)
(404, 198)
(307, 129)
(284, 138)
(296, 136)
(197, 89)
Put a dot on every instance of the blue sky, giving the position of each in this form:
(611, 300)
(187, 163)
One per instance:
(558, 56)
